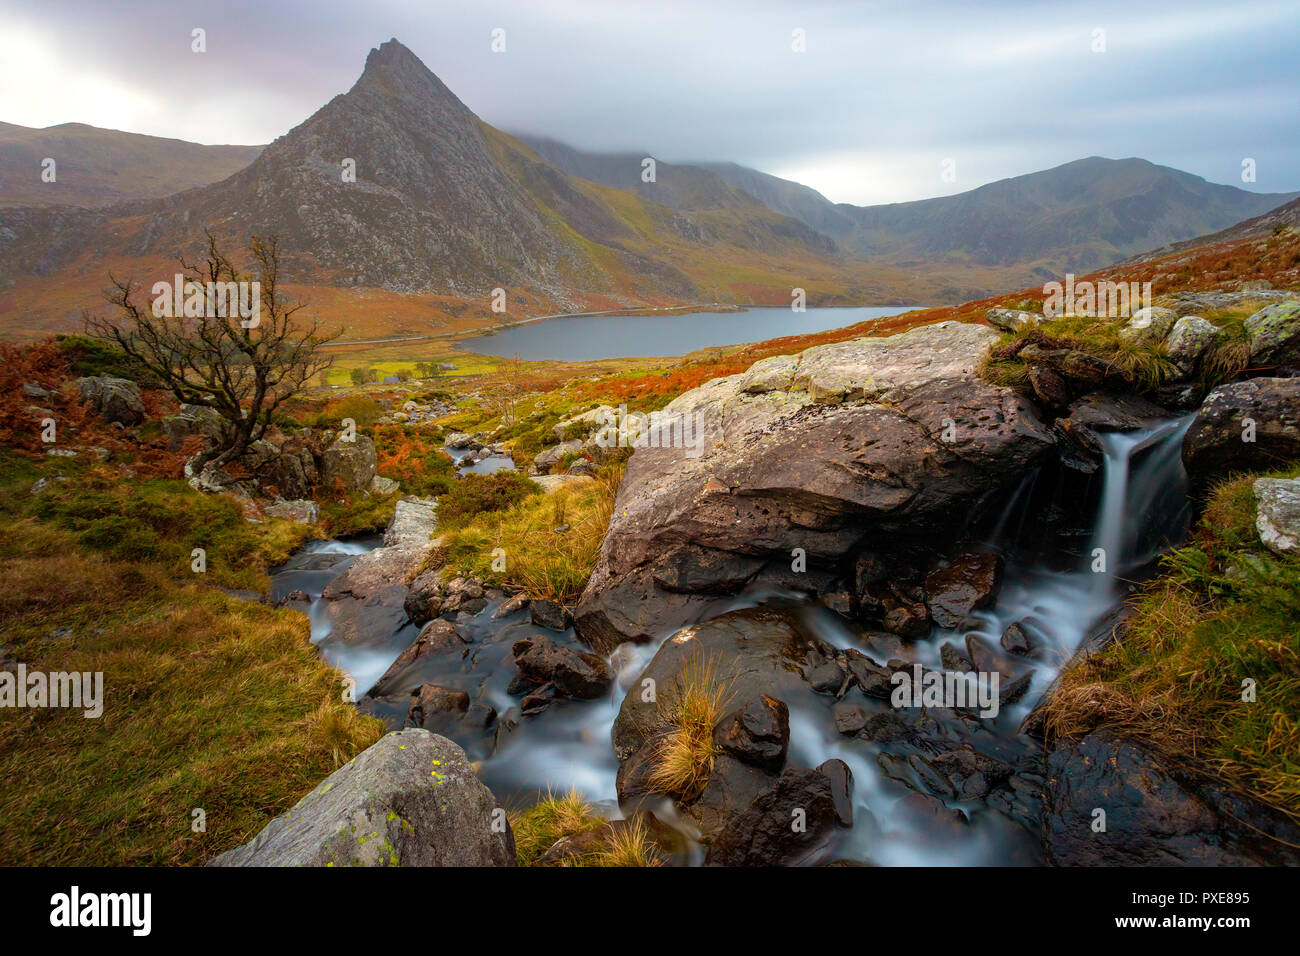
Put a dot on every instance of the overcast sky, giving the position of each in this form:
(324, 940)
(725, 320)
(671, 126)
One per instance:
(884, 93)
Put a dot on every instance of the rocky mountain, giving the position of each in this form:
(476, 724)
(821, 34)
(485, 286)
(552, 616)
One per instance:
(396, 185)
(1286, 216)
(99, 167)
(1076, 217)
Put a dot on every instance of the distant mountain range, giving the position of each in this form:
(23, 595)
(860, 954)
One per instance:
(1077, 217)
(99, 167)
(444, 208)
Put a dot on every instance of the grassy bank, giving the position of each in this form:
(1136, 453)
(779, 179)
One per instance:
(210, 702)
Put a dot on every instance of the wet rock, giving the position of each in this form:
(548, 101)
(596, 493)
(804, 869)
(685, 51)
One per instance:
(574, 673)
(932, 816)
(409, 800)
(1244, 426)
(785, 825)
(846, 448)
(1100, 412)
(1278, 513)
(516, 603)
(757, 733)
(115, 399)
(436, 706)
(969, 583)
(841, 778)
(423, 600)
(752, 652)
(871, 678)
(549, 614)
(1016, 639)
(849, 716)
(953, 659)
(911, 621)
(436, 637)
(1155, 815)
(969, 773)
(1274, 334)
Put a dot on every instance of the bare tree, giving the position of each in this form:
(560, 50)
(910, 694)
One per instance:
(242, 367)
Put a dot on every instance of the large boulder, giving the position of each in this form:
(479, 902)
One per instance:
(555, 453)
(1190, 337)
(1155, 813)
(195, 420)
(115, 399)
(1278, 513)
(1149, 325)
(867, 443)
(286, 463)
(1245, 426)
(348, 465)
(1274, 333)
(409, 800)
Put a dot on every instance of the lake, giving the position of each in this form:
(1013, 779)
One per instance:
(585, 338)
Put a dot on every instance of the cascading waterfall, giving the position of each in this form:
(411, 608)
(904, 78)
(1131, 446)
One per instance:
(1141, 509)
(1143, 500)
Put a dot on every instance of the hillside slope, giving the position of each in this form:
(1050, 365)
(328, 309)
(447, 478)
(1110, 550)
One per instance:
(99, 167)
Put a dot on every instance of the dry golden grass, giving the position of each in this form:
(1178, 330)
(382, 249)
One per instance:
(690, 709)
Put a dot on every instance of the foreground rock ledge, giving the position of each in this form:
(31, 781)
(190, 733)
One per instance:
(853, 445)
(409, 800)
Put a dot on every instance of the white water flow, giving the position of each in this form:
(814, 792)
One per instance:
(1057, 593)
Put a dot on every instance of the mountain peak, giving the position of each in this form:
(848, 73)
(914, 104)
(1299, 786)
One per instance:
(393, 71)
(391, 53)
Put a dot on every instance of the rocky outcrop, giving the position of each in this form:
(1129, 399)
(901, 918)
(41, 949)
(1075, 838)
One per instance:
(409, 800)
(1154, 814)
(114, 399)
(1278, 513)
(1274, 333)
(348, 465)
(1245, 426)
(861, 444)
(1012, 320)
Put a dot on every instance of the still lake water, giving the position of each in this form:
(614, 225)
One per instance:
(585, 338)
